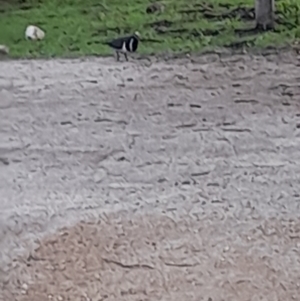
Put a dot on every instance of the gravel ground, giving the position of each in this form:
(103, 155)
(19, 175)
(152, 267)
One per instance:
(141, 181)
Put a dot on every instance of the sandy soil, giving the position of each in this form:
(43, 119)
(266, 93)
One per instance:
(150, 181)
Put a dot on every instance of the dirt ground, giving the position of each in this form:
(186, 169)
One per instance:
(146, 181)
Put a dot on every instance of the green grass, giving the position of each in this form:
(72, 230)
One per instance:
(79, 27)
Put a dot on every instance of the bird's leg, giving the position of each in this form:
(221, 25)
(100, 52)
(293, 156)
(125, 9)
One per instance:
(125, 54)
(118, 56)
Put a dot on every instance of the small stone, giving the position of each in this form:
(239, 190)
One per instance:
(24, 286)
(4, 50)
(226, 249)
(99, 175)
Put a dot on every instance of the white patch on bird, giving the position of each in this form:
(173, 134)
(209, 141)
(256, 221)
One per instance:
(130, 44)
(124, 50)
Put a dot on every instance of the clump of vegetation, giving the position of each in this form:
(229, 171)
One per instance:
(80, 27)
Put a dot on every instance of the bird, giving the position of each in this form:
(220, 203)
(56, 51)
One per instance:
(125, 44)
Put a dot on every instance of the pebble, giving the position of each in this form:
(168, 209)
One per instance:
(4, 49)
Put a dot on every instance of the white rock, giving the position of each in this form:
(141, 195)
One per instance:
(226, 249)
(4, 49)
(25, 286)
(34, 33)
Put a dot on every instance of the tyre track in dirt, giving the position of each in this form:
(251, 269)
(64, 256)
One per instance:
(209, 137)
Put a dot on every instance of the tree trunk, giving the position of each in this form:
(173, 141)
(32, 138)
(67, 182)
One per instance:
(265, 14)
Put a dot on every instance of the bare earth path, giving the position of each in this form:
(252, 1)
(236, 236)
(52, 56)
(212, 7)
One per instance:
(184, 178)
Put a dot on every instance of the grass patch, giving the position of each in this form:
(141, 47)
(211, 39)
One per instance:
(79, 27)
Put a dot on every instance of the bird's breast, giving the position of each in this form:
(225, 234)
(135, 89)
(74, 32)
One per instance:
(124, 47)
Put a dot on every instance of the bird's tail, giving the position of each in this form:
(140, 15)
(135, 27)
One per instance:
(106, 43)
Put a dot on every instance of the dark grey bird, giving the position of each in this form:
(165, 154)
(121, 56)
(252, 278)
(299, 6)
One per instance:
(125, 44)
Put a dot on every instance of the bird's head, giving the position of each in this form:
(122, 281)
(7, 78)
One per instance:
(137, 35)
